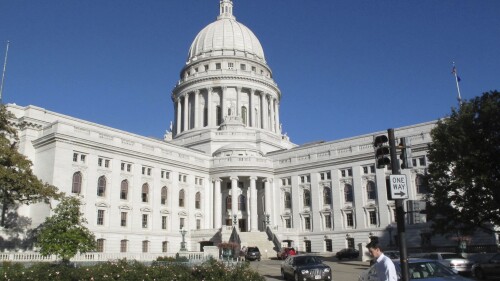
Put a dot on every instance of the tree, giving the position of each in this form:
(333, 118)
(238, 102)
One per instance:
(64, 233)
(464, 173)
(18, 184)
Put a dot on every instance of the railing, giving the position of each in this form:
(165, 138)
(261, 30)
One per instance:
(274, 238)
(100, 257)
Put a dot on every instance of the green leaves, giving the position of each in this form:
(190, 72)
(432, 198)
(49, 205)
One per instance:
(464, 174)
(64, 234)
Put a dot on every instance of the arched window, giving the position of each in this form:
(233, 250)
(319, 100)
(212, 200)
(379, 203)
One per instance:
(101, 186)
(77, 183)
(371, 191)
(218, 115)
(242, 206)
(164, 192)
(288, 200)
(244, 115)
(145, 193)
(124, 190)
(181, 198)
(327, 195)
(348, 196)
(421, 185)
(307, 198)
(197, 200)
(229, 204)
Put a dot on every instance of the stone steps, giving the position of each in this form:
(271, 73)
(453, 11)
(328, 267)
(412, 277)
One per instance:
(260, 240)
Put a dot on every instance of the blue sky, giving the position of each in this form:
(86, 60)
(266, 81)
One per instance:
(345, 68)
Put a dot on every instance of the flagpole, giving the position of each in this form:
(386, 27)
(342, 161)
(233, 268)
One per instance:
(3, 72)
(458, 86)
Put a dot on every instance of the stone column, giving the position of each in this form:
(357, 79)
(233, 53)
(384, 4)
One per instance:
(254, 218)
(267, 190)
(251, 110)
(271, 107)
(196, 109)
(238, 101)
(186, 111)
(277, 114)
(223, 104)
(178, 126)
(217, 204)
(234, 196)
(209, 107)
(263, 110)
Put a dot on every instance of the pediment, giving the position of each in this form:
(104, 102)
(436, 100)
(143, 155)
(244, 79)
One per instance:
(146, 209)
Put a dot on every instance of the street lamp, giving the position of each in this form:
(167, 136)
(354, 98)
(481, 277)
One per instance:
(389, 228)
(267, 219)
(183, 243)
(235, 220)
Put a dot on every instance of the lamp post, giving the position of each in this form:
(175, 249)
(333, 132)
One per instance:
(183, 243)
(267, 219)
(370, 235)
(389, 228)
(235, 220)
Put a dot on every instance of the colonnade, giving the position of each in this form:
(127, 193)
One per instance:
(262, 110)
(251, 212)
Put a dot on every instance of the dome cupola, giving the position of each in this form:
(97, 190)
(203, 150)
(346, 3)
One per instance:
(226, 36)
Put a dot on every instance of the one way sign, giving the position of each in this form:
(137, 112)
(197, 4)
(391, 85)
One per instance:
(399, 187)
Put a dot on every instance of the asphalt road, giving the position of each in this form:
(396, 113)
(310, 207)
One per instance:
(345, 270)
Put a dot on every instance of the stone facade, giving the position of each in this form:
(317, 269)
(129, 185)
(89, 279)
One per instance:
(225, 161)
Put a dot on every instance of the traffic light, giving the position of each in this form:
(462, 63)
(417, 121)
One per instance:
(382, 151)
(405, 155)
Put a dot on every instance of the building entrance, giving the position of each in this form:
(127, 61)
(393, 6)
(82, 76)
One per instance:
(242, 224)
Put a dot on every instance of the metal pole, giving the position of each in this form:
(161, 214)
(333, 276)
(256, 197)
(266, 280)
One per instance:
(400, 212)
(3, 72)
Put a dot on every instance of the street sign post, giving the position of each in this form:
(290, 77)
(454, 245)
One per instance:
(399, 187)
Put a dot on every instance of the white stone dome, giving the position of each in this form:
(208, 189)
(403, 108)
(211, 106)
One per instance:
(226, 36)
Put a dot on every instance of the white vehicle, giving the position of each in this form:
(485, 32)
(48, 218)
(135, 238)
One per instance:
(453, 260)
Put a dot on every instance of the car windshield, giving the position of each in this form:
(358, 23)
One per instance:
(307, 260)
(451, 256)
(427, 270)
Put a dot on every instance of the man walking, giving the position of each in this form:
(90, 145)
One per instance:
(386, 271)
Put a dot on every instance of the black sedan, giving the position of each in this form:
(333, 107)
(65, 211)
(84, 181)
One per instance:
(487, 266)
(347, 253)
(304, 267)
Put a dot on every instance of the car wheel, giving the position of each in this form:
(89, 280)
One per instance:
(479, 274)
(296, 277)
(283, 275)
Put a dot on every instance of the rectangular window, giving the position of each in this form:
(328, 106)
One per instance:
(243, 66)
(206, 67)
(218, 66)
(365, 170)
(100, 217)
(198, 224)
(123, 220)
(129, 167)
(123, 246)
(346, 173)
(307, 223)
(143, 170)
(145, 246)
(373, 217)
(305, 179)
(100, 245)
(164, 222)
(82, 158)
(106, 163)
(414, 162)
(144, 221)
(99, 162)
(230, 65)
(325, 176)
(421, 161)
(328, 221)
(288, 223)
(328, 245)
(349, 219)
(181, 223)
(164, 246)
(254, 69)
(75, 157)
(123, 166)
